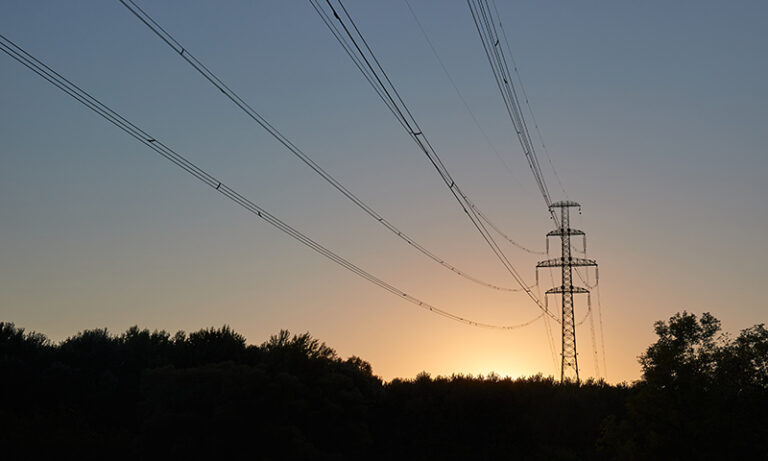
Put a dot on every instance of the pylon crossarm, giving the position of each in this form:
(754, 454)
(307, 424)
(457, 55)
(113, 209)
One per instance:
(574, 262)
(561, 289)
(560, 232)
(565, 204)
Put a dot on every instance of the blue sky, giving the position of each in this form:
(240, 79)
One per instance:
(654, 114)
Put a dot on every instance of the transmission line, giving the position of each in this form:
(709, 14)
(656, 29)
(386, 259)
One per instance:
(490, 39)
(354, 44)
(230, 94)
(459, 94)
(83, 97)
(595, 356)
(548, 331)
(477, 123)
(485, 24)
(600, 324)
(590, 314)
(528, 103)
(503, 234)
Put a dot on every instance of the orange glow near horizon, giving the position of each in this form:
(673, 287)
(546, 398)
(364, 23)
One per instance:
(99, 231)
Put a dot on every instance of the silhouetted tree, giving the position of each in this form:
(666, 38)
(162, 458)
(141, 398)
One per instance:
(150, 394)
(703, 395)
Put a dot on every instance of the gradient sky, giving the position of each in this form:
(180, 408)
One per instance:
(654, 113)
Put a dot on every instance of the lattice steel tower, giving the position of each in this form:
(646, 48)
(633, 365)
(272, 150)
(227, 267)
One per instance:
(569, 367)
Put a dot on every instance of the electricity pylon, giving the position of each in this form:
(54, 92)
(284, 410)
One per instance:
(569, 367)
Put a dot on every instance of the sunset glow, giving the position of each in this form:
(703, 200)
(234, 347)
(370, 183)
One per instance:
(656, 127)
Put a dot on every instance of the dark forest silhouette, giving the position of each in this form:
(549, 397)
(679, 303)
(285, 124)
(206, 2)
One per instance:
(149, 394)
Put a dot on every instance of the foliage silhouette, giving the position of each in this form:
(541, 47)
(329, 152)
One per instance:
(703, 395)
(145, 394)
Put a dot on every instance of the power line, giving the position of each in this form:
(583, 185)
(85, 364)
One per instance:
(230, 94)
(482, 17)
(595, 356)
(596, 286)
(83, 97)
(528, 103)
(485, 23)
(586, 316)
(590, 315)
(355, 45)
(504, 235)
(477, 123)
(600, 324)
(548, 331)
(459, 94)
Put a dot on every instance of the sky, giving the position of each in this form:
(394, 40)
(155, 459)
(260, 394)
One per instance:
(654, 115)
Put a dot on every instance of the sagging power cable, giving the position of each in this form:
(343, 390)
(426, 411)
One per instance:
(230, 94)
(83, 97)
(357, 48)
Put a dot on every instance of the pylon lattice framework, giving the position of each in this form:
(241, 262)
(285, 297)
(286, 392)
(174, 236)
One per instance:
(569, 367)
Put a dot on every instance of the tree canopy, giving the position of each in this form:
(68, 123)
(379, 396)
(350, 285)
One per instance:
(143, 394)
(703, 395)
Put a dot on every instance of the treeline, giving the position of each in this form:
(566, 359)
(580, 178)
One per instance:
(147, 394)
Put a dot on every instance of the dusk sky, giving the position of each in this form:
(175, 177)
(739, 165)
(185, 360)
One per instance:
(655, 116)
